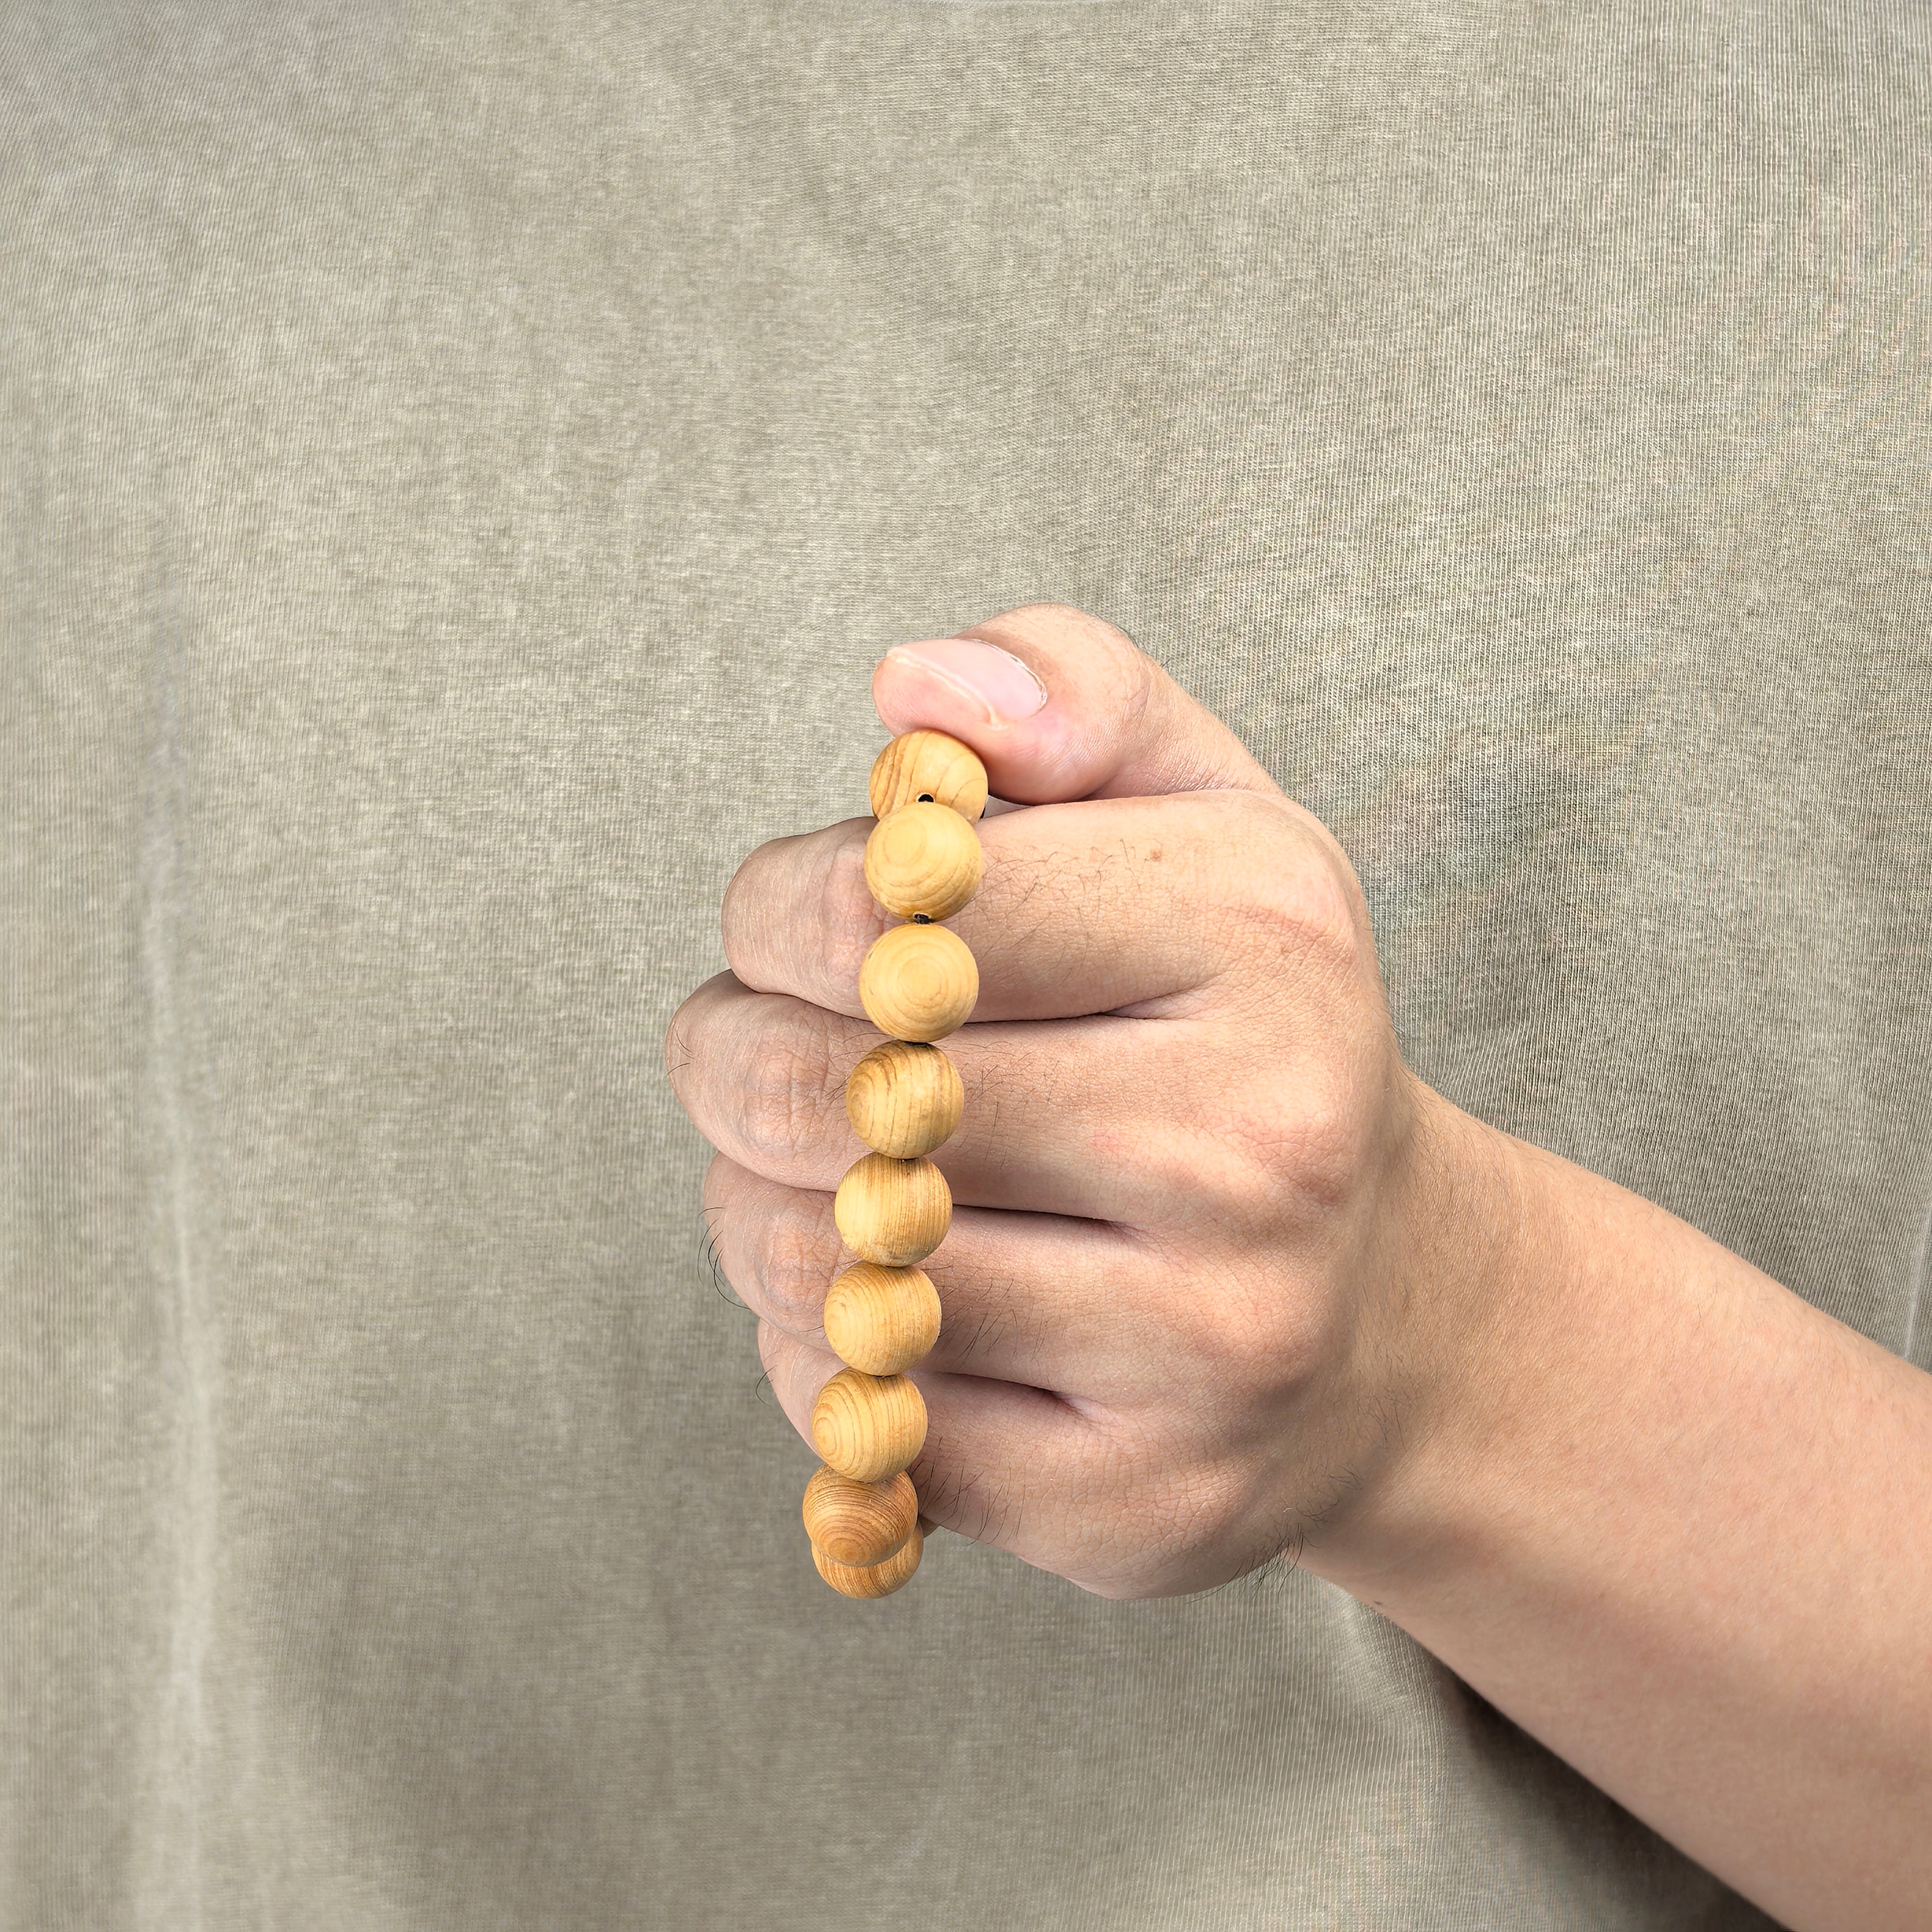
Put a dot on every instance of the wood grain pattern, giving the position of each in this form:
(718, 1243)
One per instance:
(892, 1212)
(929, 765)
(878, 1579)
(923, 861)
(904, 1099)
(918, 982)
(882, 1320)
(859, 1523)
(868, 1427)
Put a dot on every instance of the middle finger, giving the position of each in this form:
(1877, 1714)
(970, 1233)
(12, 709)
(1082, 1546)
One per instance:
(1102, 1119)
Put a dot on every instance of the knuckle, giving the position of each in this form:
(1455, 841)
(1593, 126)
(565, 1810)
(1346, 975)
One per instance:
(798, 916)
(744, 916)
(1241, 1331)
(1254, 1332)
(1300, 916)
(794, 1266)
(1131, 674)
(765, 1120)
(770, 1243)
(852, 920)
(1296, 1147)
(1290, 899)
(1116, 671)
(1323, 1157)
(785, 1074)
(1028, 619)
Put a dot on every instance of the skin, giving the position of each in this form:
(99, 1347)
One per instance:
(1225, 1282)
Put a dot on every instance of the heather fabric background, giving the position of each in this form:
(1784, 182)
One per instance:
(461, 462)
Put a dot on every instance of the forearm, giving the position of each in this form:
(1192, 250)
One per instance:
(1677, 1524)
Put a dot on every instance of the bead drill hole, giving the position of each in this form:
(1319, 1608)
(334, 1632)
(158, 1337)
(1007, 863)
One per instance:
(922, 918)
(925, 798)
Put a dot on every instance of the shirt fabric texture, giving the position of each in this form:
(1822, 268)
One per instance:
(461, 462)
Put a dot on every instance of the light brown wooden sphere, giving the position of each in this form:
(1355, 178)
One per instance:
(882, 1320)
(904, 1098)
(923, 861)
(927, 765)
(918, 982)
(876, 1579)
(892, 1212)
(868, 1427)
(859, 1523)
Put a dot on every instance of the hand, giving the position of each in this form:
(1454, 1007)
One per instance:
(1183, 1322)
(1225, 1280)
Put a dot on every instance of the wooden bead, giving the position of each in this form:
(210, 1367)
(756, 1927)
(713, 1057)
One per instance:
(876, 1579)
(882, 1320)
(923, 861)
(903, 1098)
(932, 766)
(892, 1212)
(859, 1523)
(868, 1427)
(918, 982)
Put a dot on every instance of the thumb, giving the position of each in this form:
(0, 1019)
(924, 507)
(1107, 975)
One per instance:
(1083, 713)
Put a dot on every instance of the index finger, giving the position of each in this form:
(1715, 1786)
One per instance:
(1091, 907)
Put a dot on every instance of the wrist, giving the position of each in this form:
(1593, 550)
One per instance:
(1471, 1269)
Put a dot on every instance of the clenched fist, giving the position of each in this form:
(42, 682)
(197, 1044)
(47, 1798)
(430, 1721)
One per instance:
(1225, 1281)
(1192, 1184)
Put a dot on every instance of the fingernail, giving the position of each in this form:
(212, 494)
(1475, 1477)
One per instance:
(984, 673)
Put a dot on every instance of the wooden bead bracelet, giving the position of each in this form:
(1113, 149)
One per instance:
(917, 984)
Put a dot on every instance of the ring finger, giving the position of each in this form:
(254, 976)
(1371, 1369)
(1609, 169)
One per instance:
(1060, 1304)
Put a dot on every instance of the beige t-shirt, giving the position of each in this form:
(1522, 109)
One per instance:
(461, 462)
